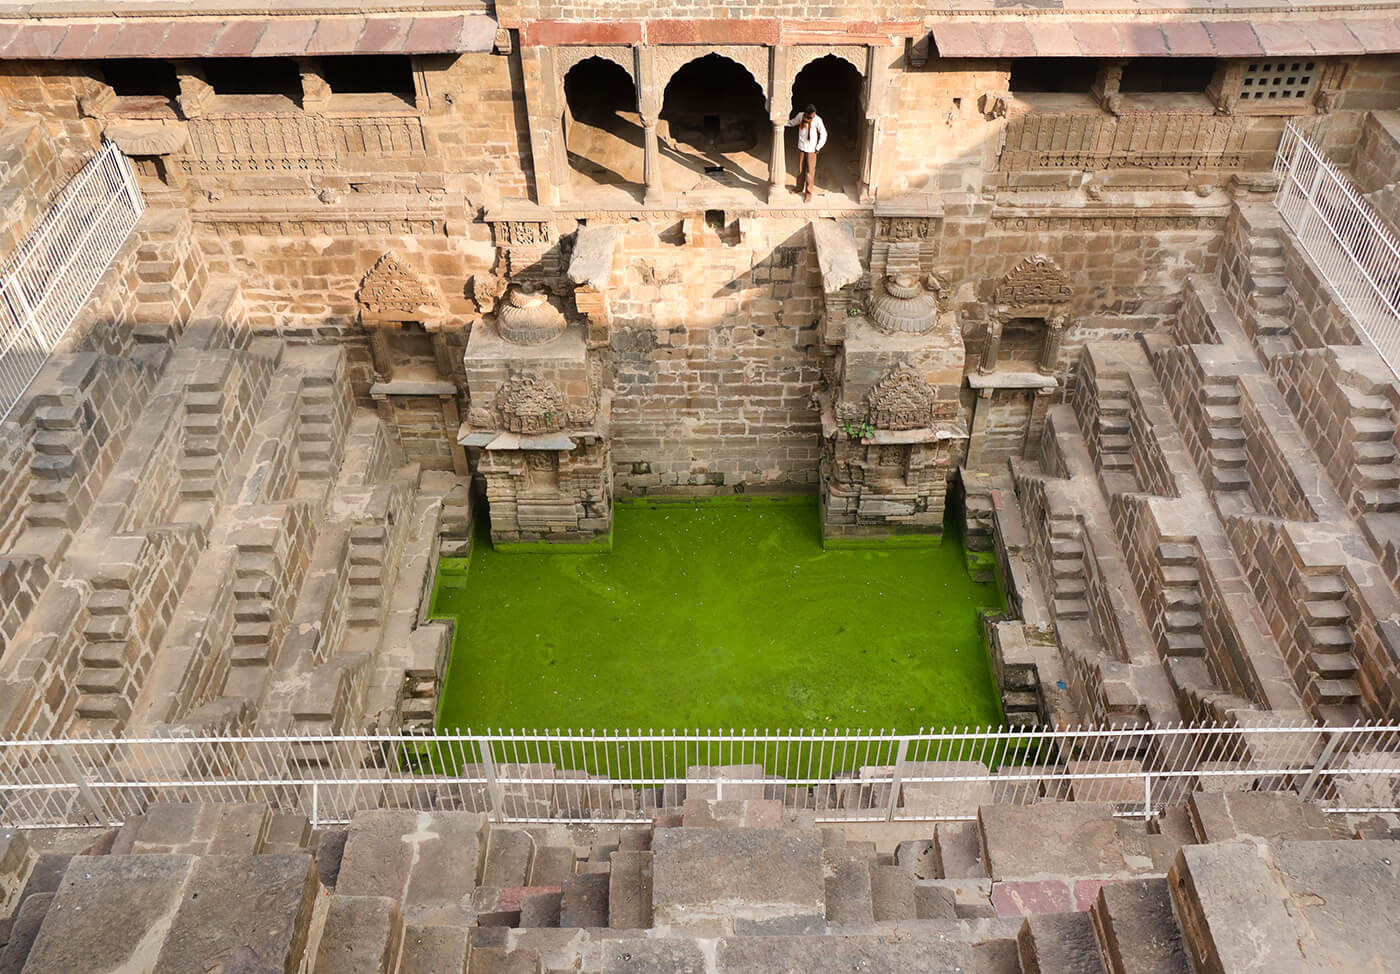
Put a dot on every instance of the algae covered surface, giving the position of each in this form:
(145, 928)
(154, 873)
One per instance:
(716, 614)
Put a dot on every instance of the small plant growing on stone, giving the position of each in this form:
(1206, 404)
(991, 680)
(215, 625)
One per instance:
(858, 431)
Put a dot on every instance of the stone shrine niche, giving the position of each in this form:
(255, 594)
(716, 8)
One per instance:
(414, 389)
(902, 400)
(530, 403)
(1029, 314)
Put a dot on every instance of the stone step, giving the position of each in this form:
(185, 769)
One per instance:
(499, 960)
(1063, 547)
(1328, 586)
(1333, 666)
(1116, 461)
(1219, 394)
(101, 679)
(1071, 609)
(1337, 691)
(1181, 597)
(1059, 943)
(1185, 643)
(1374, 451)
(103, 706)
(199, 488)
(1385, 501)
(1180, 575)
(552, 865)
(1272, 326)
(104, 654)
(1378, 475)
(1172, 553)
(251, 633)
(1067, 567)
(1227, 478)
(1118, 443)
(1332, 637)
(1115, 424)
(849, 899)
(540, 909)
(1071, 587)
(109, 602)
(55, 443)
(59, 417)
(509, 855)
(1269, 285)
(1183, 621)
(1370, 429)
(584, 901)
(892, 894)
(1227, 457)
(1136, 929)
(1326, 612)
(366, 596)
(629, 891)
(958, 850)
(1222, 415)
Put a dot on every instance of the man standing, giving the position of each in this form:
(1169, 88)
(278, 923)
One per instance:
(811, 136)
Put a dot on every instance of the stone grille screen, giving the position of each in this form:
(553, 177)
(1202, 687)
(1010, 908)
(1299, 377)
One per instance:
(1278, 80)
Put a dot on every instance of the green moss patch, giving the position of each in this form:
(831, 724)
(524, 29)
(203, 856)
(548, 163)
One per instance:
(717, 615)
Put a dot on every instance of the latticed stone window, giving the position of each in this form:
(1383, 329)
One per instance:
(1289, 80)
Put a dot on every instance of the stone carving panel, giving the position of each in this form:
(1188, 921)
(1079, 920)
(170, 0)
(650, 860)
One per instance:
(1150, 140)
(671, 58)
(902, 400)
(566, 58)
(898, 229)
(294, 142)
(391, 291)
(1035, 281)
(530, 403)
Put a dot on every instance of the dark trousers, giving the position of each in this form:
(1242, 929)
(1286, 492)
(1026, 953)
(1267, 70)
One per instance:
(806, 172)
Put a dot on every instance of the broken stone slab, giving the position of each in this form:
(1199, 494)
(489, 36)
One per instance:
(917, 858)
(427, 861)
(242, 910)
(708, 874)
(957, 849)
(1267, 816)
(1058, 839)
(661, 956)
(584, 901)
(1059, 943)
(108, 914)
(892, 891)
(1137, 930)
(1346, 893)
(362, 935)
(933, 901)
(838, 257)
(629, 891)
(433, 950)
(17, 860)
(541, 909)
(509, 855)
(1234, 912)
(849, 900)
(592, 260)
(23, 932)
(830, 955)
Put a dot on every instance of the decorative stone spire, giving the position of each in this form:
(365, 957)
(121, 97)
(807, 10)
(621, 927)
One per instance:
(903, 307)
(527, 318)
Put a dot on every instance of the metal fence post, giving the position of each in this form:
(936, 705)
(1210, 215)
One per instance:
(901, 751)
(315, 805)
(85, 793)
(493, 788)
(1305, 790)
(1147, 798)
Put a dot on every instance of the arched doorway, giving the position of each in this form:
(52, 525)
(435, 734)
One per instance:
(602, 131)
(715, 126)
(834, 86)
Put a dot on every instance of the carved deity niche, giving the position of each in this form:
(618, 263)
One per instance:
(1027, 322)
(402, 314)
(529, 403)
(902, 400)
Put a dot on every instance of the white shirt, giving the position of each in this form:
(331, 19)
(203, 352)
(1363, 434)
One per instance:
(811, 136)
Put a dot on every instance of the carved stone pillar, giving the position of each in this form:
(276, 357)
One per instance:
(195, 92)
(651, 162)
(777, 163)
(1054, 338)
(379, 354)
(993, 347)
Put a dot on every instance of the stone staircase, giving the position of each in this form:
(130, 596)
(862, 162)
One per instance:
(1224, 424)
(104, 670)
(367, 573)
(722, 887)
(1114, 434)
(1323, 599)
(1269, 310)
(1069, 596)
(1181, 599)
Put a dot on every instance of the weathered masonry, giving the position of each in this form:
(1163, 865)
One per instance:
(535, 257)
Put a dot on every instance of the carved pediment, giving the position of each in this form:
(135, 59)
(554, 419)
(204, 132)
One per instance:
(902, 400)
(391, 291)
(1036, 280)
(530, 403)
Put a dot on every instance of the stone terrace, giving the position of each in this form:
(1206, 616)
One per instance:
(1221, 885)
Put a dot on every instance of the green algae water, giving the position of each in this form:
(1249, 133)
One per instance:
(717, 614)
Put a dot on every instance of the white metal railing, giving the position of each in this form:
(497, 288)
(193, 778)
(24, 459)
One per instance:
(1336, 226)
(44, 284)
(627, 776)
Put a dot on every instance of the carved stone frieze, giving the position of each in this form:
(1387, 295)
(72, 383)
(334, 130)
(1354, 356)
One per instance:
(672, 57)
(391, 291)
(529, 403)
(902, 400)
(566, 58)
(522, 233)
(1089, 222)
(1036, 280)
(294, 142)
(1147, 140)
(901, 228)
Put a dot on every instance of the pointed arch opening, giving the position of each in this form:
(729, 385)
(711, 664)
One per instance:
(714, 125)
(834, 86)
(602, 130)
